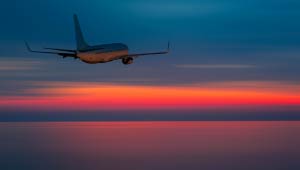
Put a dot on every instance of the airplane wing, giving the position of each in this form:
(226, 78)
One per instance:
(151, 53)
(59, 49)
(67, 53)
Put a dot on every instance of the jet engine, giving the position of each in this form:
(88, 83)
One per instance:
(127, 61)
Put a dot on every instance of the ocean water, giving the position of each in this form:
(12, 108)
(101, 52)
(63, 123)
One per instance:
(150, 146)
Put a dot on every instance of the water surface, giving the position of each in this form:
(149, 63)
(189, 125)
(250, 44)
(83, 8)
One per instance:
(150, 145)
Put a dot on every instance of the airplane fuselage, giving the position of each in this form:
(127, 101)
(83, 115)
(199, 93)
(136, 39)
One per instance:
(103, 53)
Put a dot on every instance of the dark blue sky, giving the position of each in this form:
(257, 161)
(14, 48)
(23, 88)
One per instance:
(212, 41)
(215, 32)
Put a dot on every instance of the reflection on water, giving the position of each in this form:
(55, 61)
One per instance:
(150, 145)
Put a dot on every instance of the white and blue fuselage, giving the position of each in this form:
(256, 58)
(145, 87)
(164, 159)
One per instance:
(103, 53)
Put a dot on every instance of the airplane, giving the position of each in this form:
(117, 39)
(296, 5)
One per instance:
(96, 54)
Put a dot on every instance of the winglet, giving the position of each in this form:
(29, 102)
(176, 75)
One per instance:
(168, 47)
(28, 47)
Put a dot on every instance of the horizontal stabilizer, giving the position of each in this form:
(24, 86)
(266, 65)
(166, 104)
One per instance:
(63, 54)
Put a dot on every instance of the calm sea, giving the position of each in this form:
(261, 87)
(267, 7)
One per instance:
(150, 146)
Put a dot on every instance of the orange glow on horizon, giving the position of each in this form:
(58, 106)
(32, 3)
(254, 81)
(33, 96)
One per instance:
(94, 97)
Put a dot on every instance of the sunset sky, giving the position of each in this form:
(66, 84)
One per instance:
(229, 60)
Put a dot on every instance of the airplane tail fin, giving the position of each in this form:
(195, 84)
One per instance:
(81, 43)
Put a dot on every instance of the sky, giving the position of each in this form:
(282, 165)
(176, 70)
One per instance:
(229, 60)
